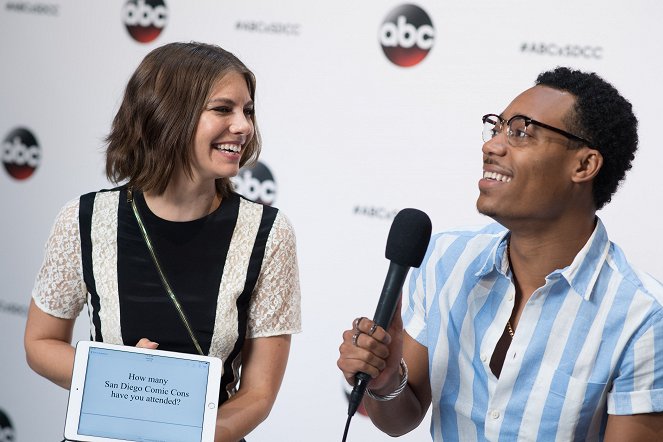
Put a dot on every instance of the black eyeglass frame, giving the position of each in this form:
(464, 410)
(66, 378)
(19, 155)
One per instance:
(529, 121)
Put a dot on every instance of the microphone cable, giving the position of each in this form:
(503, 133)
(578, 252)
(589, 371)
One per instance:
(347, 427)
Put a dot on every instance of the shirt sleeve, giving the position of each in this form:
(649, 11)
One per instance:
(414, 304)
(276, 305)
(638, 387)
(59, 288)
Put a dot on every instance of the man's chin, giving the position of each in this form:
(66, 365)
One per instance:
(493, 214)
(488, 211)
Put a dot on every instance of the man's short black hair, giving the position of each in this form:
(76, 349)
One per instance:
(605, 118)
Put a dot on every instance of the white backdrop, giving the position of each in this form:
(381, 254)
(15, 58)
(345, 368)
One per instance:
(349, 136)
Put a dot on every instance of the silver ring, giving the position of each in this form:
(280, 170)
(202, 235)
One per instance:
(356, 322)
(354, 338)
(372, 330)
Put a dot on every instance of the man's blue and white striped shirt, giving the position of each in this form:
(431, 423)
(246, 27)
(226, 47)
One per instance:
(589, 342)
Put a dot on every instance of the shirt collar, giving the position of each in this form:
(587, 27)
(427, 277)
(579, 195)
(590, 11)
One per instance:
(581, 274)
(496, 259)
(586, 266)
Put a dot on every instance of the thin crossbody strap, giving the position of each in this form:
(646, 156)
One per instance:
(162, 275)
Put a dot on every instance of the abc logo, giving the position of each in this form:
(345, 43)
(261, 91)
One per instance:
(21, 154)
(145, 19)
(7, 433)
(407, 35)
(256, 183)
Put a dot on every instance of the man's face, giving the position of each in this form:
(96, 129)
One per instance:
(532, 182)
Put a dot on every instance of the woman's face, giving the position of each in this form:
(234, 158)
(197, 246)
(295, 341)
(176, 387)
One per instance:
(224, 129)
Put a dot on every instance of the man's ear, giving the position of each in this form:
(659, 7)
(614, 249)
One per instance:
(588, 163)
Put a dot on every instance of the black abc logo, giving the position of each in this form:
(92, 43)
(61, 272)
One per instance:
(407, 35)
(256, 183)
(144, 19)
(7, 433)
(21, 154)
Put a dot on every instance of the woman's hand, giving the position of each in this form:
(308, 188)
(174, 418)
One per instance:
(146, 343)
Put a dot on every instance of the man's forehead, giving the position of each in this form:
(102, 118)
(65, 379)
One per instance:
(541, 103)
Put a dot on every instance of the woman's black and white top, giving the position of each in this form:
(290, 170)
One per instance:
(234, 272)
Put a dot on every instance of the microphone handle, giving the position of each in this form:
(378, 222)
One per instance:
(384, 313)
(391, 291)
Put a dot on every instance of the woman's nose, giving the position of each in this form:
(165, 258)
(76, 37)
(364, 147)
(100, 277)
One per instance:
(242, 124)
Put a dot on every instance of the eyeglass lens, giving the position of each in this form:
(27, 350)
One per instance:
(516, 133)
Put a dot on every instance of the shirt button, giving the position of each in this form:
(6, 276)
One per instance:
(495, 414)
(510, 297)
(484, 358)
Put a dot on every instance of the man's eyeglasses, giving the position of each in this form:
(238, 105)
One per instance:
(517, 126)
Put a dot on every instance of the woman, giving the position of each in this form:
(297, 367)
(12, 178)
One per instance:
(185, 126)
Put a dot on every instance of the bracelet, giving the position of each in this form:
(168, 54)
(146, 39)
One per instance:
(396, 392)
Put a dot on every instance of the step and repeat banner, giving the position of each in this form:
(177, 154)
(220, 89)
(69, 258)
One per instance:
(365, 108)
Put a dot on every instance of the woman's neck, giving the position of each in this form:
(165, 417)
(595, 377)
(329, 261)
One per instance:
(184, 201)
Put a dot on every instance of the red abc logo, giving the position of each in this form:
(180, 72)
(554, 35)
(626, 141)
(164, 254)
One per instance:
(21, 154)
(407, 35)
(256, 183)
(144, 19)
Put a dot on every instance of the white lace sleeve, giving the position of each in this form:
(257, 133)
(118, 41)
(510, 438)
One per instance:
(276, 305)
(59, 288)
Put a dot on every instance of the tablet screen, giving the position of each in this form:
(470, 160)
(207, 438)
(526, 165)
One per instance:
(143, 397)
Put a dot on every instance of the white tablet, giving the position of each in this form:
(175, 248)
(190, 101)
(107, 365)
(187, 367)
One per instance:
(123, 393)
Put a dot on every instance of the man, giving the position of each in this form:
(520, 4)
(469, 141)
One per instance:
(535, 328)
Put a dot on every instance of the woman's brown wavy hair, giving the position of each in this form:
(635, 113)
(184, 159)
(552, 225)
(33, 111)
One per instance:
(153, 132)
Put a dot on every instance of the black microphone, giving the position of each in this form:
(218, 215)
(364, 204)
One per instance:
(408, 239)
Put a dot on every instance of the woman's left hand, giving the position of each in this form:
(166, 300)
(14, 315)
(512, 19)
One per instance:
(146, 343)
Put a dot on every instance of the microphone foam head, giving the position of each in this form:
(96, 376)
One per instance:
(408, 238)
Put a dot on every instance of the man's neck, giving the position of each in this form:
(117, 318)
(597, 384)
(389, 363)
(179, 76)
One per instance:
(535, 251)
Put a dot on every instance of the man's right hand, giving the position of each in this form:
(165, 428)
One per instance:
(378, 353)
(370, 349)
